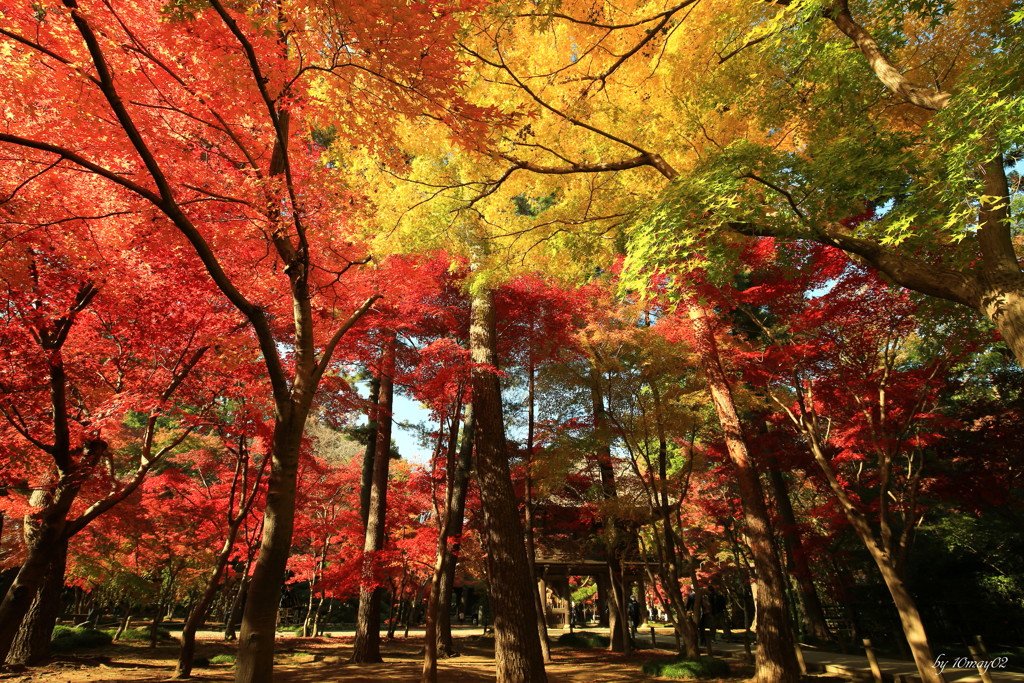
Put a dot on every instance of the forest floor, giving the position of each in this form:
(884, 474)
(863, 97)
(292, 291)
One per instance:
(315, 660)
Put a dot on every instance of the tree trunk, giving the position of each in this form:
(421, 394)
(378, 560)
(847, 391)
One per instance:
(154, 625)
(517, 648)
(198, 614)
(910, 618)
(32, 643)
(776, 657)
(125, 624)
(685, 621)
(813, 614)
(531, 544)
(614, 600)
(618, 619)
(317, 629)
(237, 604)
(45, 543)
(455, 517)
(366, 646)
(430, 640)
(366, 480)
(259, 619)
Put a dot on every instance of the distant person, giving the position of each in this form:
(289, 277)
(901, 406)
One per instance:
(706, 629)
(633, 610)
(718, 612)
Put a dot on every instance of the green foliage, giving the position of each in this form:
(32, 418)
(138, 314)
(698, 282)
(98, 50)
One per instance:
(686, 669)
(583, 639)
(142, 635)
(225, 659)
(988, 554)
(69, 639)
(583, 592)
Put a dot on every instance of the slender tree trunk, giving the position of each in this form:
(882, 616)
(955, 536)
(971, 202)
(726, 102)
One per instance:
(366, 647)
(619, 639)
(397, 603)
(259, 619)
(776, 657)
(366, 481)
(910, 617)
(430, 641)
(531, 545)
(685, 621)
(517, 649)
(197, 616)
(618, 619)
(32, 642)
(317, 630)
(813, 614)
(237, 604)
(455, 517)
(125, 623)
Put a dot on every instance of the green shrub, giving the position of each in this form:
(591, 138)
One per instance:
(68, 638)
(226, 659)
(687, 669)
(583, 639)
(141, 635)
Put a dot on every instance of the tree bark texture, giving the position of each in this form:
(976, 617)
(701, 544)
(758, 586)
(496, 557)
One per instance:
(32, 643)
(776, 657)
(45, 537)
(455, 518)
(259, 619)
(796, 555)
(366, 646)
(517, 647)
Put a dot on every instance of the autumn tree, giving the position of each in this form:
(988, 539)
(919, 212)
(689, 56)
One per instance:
(100, 385)
(238, 484)
(152, 126)
(842, 368)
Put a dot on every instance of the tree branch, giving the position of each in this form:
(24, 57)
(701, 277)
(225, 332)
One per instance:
(926, 98)
(328, 351)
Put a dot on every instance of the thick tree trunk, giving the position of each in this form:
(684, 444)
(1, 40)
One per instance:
(811, 609)
(198, 614)
(32, 643)
(45, 543)
(517, 647)
(455, 517)
(776, 657)
(366, 646)
(259, 619)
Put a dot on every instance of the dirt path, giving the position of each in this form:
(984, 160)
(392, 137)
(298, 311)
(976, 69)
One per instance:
(318, 660)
